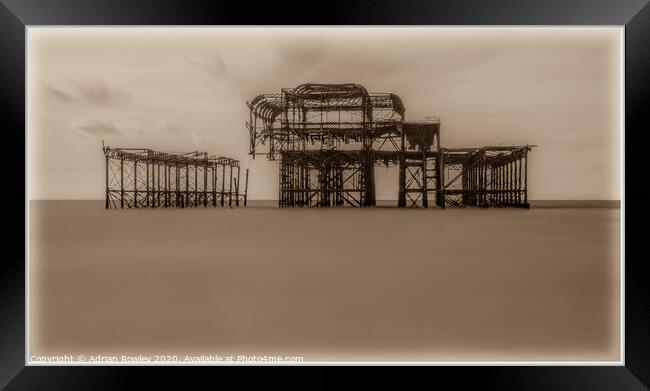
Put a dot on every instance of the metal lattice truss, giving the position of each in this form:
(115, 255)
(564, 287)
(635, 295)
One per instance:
(143, 178)
(325, 179)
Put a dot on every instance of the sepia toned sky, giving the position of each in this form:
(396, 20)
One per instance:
(185, 89)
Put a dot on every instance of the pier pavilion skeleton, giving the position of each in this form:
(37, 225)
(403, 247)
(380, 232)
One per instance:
(142, 178)
(329, 137)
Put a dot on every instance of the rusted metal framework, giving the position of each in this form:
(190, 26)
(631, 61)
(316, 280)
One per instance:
(325, 178)
(143, 178)
(329, 138)
(321, 117)
(491, 176)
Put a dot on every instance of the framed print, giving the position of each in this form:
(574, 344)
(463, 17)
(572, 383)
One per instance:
(445, 187)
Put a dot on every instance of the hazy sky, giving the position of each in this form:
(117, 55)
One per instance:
(185, 89)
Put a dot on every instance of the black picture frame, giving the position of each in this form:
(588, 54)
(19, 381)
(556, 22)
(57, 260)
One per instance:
(15, 15)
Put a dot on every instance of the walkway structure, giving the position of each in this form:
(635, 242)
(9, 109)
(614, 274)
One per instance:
(143, 178)
(329, 137)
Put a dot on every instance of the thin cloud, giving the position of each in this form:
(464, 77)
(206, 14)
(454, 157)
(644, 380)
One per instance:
(98, 128)
(57, 93)
(100, 94)
(214, 65)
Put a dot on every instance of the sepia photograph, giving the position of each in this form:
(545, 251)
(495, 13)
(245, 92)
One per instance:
(335, 195)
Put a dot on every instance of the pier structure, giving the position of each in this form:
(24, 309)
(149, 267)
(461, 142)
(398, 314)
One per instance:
(328, 139)
(144, 178)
